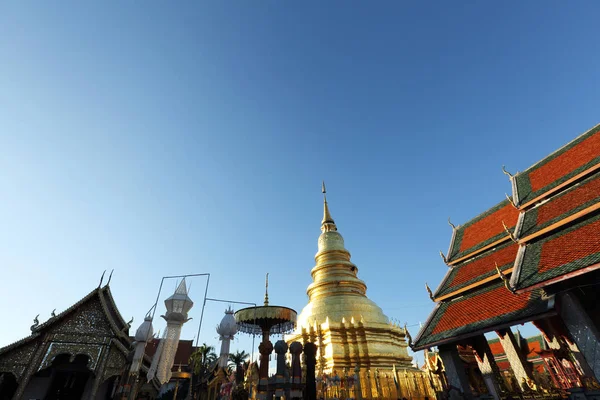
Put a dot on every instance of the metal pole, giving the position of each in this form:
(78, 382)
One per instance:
(202, 313)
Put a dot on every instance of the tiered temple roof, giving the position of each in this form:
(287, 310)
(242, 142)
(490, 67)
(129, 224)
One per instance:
(502, 260)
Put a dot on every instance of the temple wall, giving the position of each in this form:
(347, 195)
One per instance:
(37, 387)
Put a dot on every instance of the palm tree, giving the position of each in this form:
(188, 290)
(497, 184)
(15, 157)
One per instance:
(238, 357)
(202, 358)
(237, 360)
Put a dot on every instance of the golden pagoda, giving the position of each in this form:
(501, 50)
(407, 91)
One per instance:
(349, 329)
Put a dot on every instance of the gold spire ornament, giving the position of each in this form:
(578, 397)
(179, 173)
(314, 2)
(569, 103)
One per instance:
(267, 290)
(327, 224)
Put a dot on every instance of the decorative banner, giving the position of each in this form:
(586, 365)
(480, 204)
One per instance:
(167, 357)
(154, 365)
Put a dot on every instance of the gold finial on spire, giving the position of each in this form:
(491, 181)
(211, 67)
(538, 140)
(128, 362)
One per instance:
(267, 290)
(327, 224)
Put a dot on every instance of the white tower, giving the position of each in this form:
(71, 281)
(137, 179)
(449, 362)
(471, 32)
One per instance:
(178, 306)
(226, 330)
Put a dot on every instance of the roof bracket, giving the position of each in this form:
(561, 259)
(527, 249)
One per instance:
(409, 338)
(504, 279)
(444, 258)
(506, 172)
(101, 279)
(510, 200)
(510, 234)
(430, 292)
(451, 224)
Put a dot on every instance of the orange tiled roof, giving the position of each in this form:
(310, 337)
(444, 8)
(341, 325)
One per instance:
(490, 307)
(568, 250)
(477, 268)
(570, 160)
(482, 230)
(563, 205)
(566, 183)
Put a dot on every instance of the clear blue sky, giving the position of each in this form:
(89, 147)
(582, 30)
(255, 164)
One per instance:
(160, 138)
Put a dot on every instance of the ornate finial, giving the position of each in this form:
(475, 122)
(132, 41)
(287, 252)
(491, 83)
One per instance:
(443, 257)
(127, 325)
(408, 336)
(506, 172)
(510, 200)
(451, 224)
(36, 322)
(510, 234)
(110, 276)
(327, 224)
(53, 314)
(504, 279)
(101, 279)
(267, 290)
(429, 291)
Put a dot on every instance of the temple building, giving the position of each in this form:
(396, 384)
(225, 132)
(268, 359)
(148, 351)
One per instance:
(534, 257)
(86, 352)
(80, 353)
(349, 329)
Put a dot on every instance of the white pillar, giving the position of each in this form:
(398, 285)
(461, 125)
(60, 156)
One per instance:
(455, 371)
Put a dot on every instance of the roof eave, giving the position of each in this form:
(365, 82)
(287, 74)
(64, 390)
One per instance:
(483, 331)
(558, 279)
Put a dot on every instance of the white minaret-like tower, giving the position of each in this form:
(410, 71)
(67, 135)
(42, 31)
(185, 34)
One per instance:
(226, 330)
(178, 306)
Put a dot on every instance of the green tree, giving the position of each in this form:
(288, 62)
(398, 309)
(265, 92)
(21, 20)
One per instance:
(238, 357)
(201, 359)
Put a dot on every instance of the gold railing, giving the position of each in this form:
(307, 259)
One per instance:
(379, 385)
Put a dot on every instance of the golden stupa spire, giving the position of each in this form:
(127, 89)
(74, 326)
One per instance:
(267, 290)
(327, 224)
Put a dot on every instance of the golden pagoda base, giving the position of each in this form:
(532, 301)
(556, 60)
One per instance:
(351, 344)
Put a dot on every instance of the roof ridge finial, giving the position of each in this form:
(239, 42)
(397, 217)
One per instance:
(327, 224)
(267, 290)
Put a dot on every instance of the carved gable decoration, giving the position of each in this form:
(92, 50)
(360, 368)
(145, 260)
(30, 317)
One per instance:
(18, 358)
(114, 363)
(88, 319)
(92, 327)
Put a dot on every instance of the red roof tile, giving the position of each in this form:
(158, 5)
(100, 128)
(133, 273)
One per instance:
(570, 160)
(182, 356)
(534, 348)
(498, 301)
(570, 247)
(497, 349)
(503, 365)
(567, 250)
(485, 264)
(585, 192)
(489, 226)
(487, 308)
(558, 168)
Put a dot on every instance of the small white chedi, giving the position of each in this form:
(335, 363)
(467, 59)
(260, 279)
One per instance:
(226, 330)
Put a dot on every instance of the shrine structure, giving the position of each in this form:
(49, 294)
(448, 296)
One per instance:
(535, 257)
(352, 334)
(80, 353)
